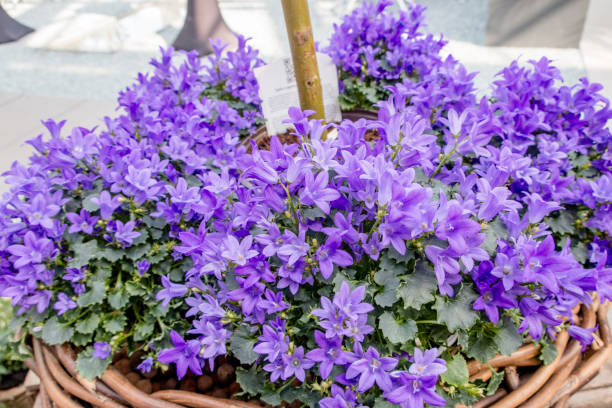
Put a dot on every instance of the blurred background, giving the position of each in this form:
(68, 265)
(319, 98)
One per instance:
(82, 52)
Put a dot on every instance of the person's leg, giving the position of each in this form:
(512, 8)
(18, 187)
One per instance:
(203, 23)
(10, 29)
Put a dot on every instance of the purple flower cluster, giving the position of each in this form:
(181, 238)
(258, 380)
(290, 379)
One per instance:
(107, 207)
(374, 49)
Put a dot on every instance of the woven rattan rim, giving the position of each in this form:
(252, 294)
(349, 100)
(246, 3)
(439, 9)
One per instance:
(550, 385)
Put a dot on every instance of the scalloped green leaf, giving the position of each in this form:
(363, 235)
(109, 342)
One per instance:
(457, 313)
(53, 332)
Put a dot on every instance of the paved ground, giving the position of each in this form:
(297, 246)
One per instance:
(84, 51)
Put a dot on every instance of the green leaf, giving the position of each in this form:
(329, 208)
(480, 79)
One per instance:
(242, 345)
(79, 339)
(143, 330)
(116, 324)
(495, 381)
(565, 223)
(89, 205)
(94, 295)
(271, 397)
(395, 332)
(482, 345)
(419, 287)
(135, 289)
(89, 325)
(580, 252)
(118, 298)
(251, 381)
(83, 253)
(509, 339)
(383, 403)
(53, 332)
(112, 254)
(457, 313)
(389, 281)
(137, 252)
(456, 371)
(548, 353)
(494, 231)
(89, 366)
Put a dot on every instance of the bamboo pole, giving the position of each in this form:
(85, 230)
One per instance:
(299, 32)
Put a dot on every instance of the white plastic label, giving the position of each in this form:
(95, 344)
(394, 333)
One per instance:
(278, 91)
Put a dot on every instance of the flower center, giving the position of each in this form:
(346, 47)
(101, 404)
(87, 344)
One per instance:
(375, 364)
(295, 362)
(487, 297)
(507, 270)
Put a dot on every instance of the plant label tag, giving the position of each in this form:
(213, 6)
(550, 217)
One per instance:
(278, 92)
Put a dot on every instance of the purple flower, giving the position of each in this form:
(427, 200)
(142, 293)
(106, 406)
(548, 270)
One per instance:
(350, 302)
(238, 252)
(294, 249)
(184, 354)
(296, 364)
(507, 269)
(584, 336)
(372, 369)
(74, 274)
(171, 290)
(339, 398)
(491, 299)
(143, 266)
(41, 210)
(316, 192)
(101, 350)
(414, 391)
(107, 204)
(327, 354)
(535, 315)
(330, 254)
(537, 208)
(426, 363)
(273, 302)
(124, 233)
(146, 365)
(212, 341)
(64, 304)
(273, 342)
(455, 226)
(347, 315)
(82, 222)
(33, 251)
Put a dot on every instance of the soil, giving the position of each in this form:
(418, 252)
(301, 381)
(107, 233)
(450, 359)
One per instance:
(220, 383)
(13, 380)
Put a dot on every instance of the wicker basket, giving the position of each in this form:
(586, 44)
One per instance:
(549, 385)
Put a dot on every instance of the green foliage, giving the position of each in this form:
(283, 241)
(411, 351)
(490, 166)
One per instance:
(251, 381)
(89, 366)
(54, 332)
(394, 331)
(418, 288)
(548, 353)
(457, 313)
(241, 344)
(456, 371)
(12, 349)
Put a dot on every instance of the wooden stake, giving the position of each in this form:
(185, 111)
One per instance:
(299, 32)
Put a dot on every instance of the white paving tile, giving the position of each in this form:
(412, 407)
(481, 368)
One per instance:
(596, 44)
